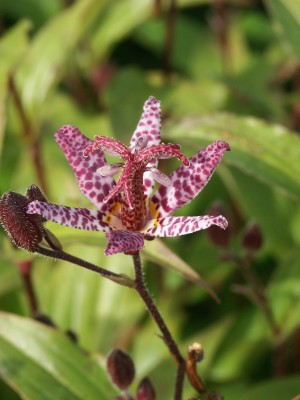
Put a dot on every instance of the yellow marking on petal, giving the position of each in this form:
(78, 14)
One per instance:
(113, 221)
(107, 219)
(153, 223)
(153, 210)
(116, 208)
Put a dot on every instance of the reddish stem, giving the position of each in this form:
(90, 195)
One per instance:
(30, 137)
(142, 290)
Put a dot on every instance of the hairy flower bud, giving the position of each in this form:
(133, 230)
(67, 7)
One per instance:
(145, 390)
(252, 239)
(34, 193)
(24, 229)
(121, 368)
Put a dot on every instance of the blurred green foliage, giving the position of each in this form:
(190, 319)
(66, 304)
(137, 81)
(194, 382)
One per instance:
(223, 69)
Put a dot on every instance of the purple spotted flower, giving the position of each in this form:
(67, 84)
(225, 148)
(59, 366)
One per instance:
(126, 210)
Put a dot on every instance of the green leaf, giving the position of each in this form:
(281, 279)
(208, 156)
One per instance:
(270, 153)
(158, 252)
(286, 14)
(129, 88)
(9, 276)
(284, 293)
(52, 50)
(42, 363)
(92, 313)
(35, 10)
(12, 48)
(275, 389)
(114, 27)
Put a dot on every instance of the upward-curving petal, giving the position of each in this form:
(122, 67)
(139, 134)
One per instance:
(177, 226)
(94, 186)
(187, 182)
(149, 125)
(81, 218)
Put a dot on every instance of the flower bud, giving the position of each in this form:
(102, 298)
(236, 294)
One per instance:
(120, 368)
(145, 390)
(34, 193)
(24, 229)
(252, 239)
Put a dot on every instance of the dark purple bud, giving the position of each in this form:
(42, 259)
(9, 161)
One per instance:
(44, 319)
(145, 390)
(219, 237)
(121, 368)
(23, 229)
(34, 193)
(72, 336)
(252, 239)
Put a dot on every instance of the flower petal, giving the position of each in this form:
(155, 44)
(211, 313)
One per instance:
(81, 218)
(148, 125)
(160, 177)
(92, 185)
(123, 242)
(110, 170)
(187, 182)
(177, 226)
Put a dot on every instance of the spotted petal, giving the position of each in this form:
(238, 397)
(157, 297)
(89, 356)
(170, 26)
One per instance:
(148, 125)
(81, 218)
(177, 226)
(123, 242)
(187, 182)
(92, 185)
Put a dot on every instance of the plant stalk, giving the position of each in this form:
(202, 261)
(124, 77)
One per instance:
(142, 290)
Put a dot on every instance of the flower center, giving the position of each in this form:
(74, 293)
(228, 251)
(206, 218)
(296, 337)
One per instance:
(135, 207)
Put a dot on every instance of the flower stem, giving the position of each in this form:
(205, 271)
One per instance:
(142, 290)
(30, 136)
(258, 296)
(60, 254)
(25, 268)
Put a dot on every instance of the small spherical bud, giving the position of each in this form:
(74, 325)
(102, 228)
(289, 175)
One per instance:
(219, 237)
(252, 239)
(23, 229)
(145, 390)
(121, 368)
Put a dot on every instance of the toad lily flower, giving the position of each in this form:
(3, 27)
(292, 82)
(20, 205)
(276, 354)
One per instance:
(126, 211)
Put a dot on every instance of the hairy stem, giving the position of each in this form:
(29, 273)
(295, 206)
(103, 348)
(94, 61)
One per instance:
(60, 254)
(142, 290)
